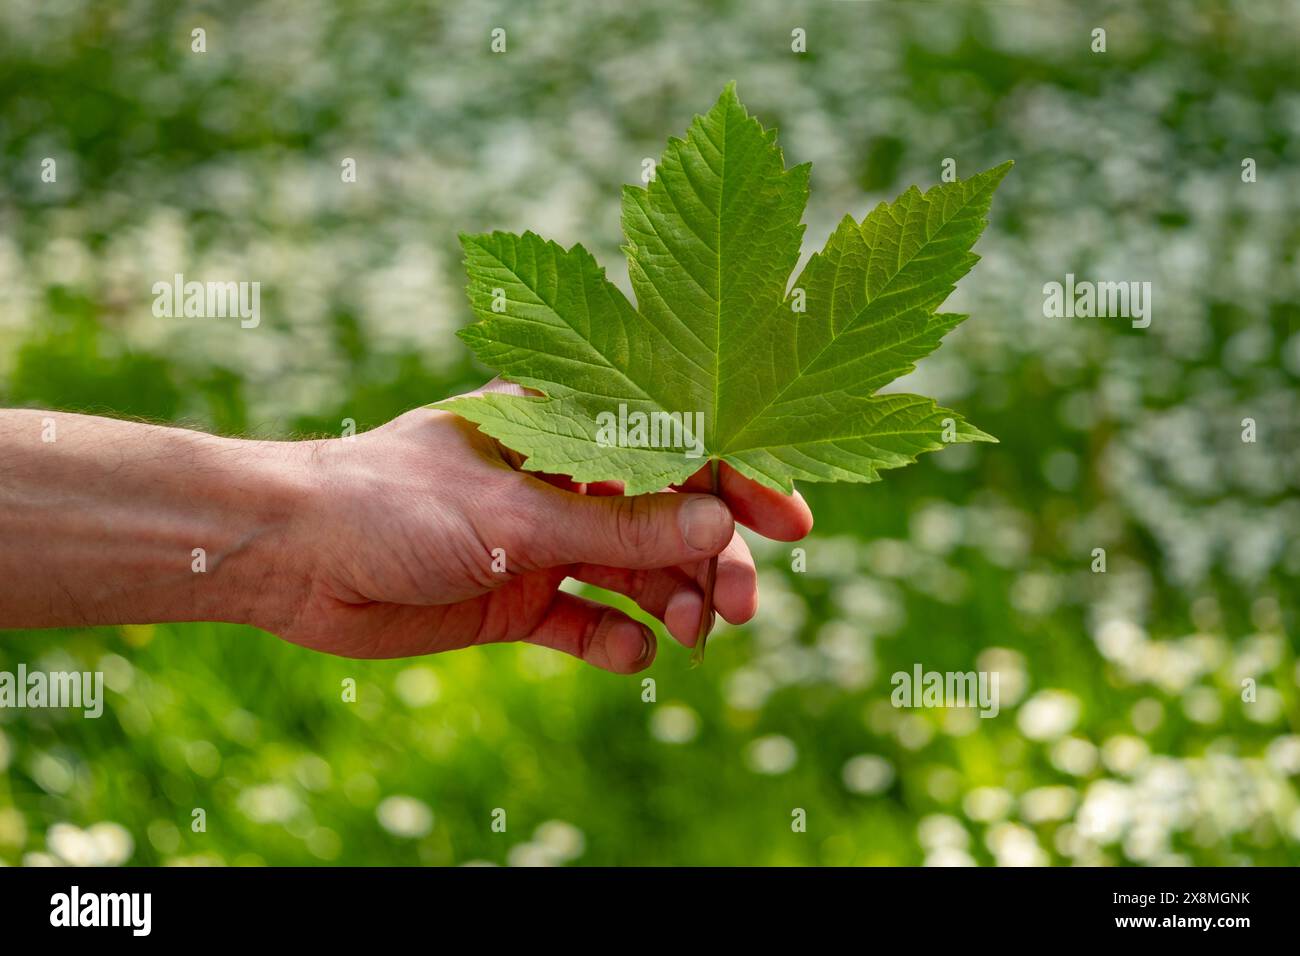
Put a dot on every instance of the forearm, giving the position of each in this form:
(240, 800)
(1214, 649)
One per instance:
(111, 522)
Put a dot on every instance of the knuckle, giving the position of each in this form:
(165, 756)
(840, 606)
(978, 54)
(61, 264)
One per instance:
(638, 583)
(508, 521)
(590, 628)
(634, 524)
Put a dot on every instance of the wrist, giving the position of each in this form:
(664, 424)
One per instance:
(267, 565)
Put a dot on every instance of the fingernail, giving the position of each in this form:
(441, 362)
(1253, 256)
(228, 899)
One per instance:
(703, 521)
(648, 644)
(684, 609)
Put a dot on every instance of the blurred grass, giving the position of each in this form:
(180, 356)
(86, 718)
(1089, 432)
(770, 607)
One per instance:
(1123, 736)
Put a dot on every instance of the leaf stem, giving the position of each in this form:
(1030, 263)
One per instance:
(706, 611)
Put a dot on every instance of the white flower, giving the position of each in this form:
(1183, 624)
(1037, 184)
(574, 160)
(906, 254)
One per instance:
(987, 804)
(405, 816)
(772, 754)
(939, 831)
(563, 839)
(1014, 845)
(102, 844)
(268, 803)
(674, 724)
(1048, 714)
(1045, 804)
(868, 773)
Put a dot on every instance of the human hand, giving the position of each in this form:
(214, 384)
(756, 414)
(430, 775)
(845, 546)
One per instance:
(425, 535)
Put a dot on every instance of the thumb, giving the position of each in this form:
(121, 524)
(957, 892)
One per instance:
(625, 531)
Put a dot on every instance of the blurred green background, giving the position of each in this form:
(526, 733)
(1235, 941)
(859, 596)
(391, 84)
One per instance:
(1123, 736)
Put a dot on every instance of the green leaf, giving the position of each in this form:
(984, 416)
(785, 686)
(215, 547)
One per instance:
(782, 379)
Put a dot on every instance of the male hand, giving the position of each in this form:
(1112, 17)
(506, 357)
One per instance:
(427, 535)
